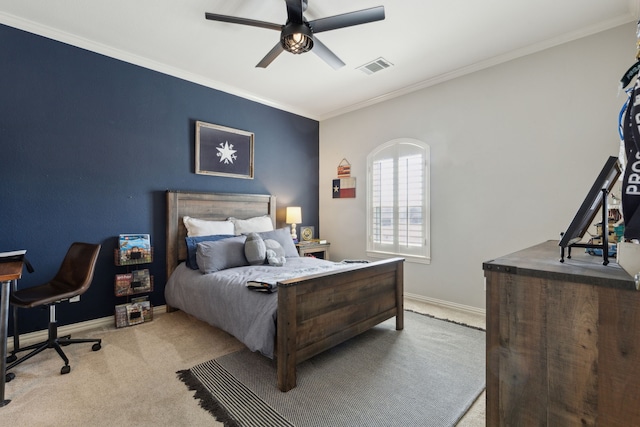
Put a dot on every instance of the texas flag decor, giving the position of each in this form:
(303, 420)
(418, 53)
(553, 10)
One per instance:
(344, 188)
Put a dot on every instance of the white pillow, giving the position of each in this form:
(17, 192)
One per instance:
(256, 224)
(200, 227)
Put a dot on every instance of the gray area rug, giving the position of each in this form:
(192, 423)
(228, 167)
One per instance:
(429, 374)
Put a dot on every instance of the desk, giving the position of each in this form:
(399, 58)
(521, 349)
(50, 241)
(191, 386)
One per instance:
(9, 271)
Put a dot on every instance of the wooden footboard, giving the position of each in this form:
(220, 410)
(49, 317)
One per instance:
(318, 312)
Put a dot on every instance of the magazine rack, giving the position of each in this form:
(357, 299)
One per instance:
(135, 258)
(133, 282)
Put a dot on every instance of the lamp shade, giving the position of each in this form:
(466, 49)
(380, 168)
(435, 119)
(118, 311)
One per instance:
(294, 215)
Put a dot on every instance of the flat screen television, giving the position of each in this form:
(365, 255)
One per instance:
(592, 203)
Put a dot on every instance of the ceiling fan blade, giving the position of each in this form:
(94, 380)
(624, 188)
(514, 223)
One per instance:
(294, 11)
(269, 57)
(326, 55)
(347, 19)
(243, 21)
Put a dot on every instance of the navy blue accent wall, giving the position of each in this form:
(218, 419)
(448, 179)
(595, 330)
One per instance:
(89, 145)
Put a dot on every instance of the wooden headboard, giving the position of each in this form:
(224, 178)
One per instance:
(209, 206)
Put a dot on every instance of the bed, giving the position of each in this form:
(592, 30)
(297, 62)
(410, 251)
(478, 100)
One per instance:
(314, 312)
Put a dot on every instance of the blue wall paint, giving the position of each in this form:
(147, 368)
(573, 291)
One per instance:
(90, 144)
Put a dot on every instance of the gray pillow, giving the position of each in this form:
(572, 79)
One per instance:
(254, 249)
(192, 247)
(221, 254)
(282, 236)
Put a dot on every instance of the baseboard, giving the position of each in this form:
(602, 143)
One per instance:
(73, 329)
(447, 304)
(109, 321)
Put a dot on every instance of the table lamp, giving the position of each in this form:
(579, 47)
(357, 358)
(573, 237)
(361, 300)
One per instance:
(293, 217)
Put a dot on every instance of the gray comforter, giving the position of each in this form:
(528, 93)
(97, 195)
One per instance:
(222, 299)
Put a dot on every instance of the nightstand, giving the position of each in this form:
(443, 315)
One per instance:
(314, 249)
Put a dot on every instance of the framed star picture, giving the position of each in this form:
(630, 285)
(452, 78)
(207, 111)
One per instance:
(223, 151)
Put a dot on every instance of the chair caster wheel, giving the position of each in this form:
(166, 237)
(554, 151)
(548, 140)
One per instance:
(96, 346)
(12, 358)
(65, 369)
(9, 377)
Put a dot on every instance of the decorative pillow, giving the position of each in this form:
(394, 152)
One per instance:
(274, 260)
(192, 246)
(274, 246)
(275, 253)
(282, 236)
(221, 254)
(254, 249)
(252, 225)
(200, 227)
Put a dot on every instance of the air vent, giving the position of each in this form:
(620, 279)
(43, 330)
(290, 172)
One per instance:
(375, 66)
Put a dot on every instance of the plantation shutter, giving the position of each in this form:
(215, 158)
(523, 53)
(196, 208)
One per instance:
(398, 199)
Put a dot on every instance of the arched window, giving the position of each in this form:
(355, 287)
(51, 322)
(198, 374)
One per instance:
(398, 200)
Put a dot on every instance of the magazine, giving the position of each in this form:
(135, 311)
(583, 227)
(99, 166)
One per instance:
(133, 313)
(121, 316)
(134, 248)
(141, 281)
(123, 284)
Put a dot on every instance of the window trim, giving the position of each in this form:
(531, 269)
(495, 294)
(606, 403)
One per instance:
(395, 145)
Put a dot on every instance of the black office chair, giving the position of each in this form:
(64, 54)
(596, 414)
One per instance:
(73, 278)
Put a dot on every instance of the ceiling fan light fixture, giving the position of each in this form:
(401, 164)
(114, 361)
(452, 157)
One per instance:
(297, 38)
(296, 35)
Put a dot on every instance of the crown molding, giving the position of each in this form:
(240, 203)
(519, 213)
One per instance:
(102, 49)
(92, 46)
(496, 60)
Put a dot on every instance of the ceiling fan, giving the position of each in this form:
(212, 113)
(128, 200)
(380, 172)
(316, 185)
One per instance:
(297, 35)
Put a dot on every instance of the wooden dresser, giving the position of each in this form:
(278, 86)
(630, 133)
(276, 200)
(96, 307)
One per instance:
(563, 340)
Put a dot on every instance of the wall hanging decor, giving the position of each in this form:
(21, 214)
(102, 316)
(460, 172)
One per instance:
(344, 169)
(223, 151)
(345, 186)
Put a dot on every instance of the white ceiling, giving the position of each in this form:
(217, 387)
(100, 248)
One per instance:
(428, 41)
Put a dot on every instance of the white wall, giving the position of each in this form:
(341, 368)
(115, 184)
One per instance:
(514, 149)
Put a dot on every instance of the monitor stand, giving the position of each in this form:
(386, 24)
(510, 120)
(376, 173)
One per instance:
(605, 235)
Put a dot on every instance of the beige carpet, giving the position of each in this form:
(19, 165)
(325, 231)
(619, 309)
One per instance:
(132, 380)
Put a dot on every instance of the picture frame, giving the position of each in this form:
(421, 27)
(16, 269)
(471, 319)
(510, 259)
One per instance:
(223, 151)
(306, 233)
